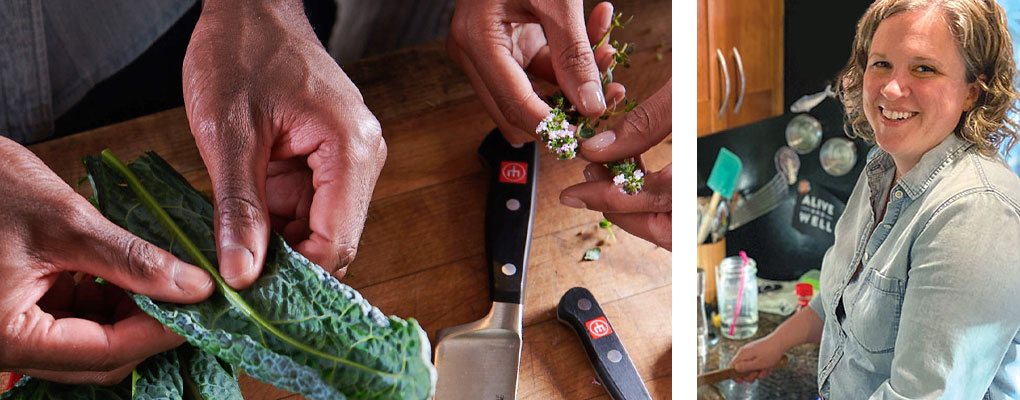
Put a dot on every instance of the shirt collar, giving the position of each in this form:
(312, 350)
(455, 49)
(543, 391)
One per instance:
(917, 180)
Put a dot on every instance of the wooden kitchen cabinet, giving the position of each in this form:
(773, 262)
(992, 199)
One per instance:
(740, 45)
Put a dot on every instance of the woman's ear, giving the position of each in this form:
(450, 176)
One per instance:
(974, 92)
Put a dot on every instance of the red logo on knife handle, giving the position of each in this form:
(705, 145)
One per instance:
(598, 327)
(513, 172)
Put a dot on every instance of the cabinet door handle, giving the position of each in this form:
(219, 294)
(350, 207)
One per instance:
(743, 81)
(726, 78)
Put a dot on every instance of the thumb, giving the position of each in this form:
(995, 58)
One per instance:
(237, 171)
(643, 127)
(136, 265)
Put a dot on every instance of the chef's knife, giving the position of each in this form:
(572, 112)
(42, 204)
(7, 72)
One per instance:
(578, 309)
(480, 360)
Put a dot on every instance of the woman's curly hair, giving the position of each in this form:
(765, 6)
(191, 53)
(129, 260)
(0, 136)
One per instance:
(979, 27)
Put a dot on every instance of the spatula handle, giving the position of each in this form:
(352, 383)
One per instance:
(509, 214)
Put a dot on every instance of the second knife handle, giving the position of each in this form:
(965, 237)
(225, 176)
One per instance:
(579, 310)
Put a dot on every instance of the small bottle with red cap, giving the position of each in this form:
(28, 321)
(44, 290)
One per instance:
(804, 293)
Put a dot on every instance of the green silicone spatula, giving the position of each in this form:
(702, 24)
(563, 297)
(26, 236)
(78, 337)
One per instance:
(722, 180)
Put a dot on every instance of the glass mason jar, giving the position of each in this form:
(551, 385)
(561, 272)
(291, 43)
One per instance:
(729, 276)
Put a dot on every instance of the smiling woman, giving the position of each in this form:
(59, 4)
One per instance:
(916, 296)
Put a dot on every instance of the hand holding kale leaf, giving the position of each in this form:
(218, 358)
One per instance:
(295, 327)
(49, 327)
(285, 134)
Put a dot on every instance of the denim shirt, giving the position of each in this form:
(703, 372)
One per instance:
(53, 52)
(934, 311)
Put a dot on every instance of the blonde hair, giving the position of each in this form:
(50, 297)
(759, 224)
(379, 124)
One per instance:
(979, 27)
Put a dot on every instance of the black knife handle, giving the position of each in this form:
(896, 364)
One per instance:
(579, 310)
(509, 214)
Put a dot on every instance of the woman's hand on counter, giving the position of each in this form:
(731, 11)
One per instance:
(497, 43)
(54, 328)
(285, 134)
(757, 359)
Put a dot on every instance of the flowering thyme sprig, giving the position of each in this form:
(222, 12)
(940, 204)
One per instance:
(555, 128)
(557, 135)
(627, 175)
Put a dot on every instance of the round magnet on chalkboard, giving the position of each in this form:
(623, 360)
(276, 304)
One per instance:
(803, 133)
(838, 156)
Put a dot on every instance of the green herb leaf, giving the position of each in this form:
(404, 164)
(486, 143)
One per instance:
(592, 254)
(605, 224)
(296, 327)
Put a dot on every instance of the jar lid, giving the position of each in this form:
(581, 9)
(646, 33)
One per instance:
(804, 289)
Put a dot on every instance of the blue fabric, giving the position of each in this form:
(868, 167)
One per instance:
(54, 51)
(932, 312)
(1012, 8)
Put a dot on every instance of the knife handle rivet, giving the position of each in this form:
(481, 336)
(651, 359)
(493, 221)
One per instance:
(584, 304)
(509, 269)
(614, 355)
(513, 205)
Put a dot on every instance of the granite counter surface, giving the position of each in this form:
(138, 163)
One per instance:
(798, 381)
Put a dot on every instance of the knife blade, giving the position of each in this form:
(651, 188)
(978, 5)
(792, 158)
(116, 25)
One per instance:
(579, 310)
(481, 359)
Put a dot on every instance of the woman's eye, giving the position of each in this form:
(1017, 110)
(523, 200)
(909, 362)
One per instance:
(880, 64)
(924, 69)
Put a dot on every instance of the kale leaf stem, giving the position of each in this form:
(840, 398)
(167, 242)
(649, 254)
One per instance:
(232, 296)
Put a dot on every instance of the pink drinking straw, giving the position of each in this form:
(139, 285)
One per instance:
(740, 292)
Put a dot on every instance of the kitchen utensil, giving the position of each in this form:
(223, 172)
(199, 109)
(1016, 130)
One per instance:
(803, 133)
(480, 360)
(721, 180)
(768, 197)
(578, 309)
(730, 373)
(838, 156)
(720, 222)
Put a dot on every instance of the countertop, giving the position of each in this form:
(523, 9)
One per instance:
(798, 381)
(422, 253)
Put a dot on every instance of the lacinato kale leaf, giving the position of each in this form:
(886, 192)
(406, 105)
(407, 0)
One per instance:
(210, 379)
(296, 327)
(159, 377)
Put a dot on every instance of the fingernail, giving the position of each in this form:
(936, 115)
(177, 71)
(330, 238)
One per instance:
(588, 176)
(572, 202)
(591, 97)
(192, 280)
(600, 141)
(235, 261)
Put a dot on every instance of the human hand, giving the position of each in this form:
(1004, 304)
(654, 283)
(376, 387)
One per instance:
(495, 42)
(51, 328)
(648, 214)
(756, 359)
(286, 136)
